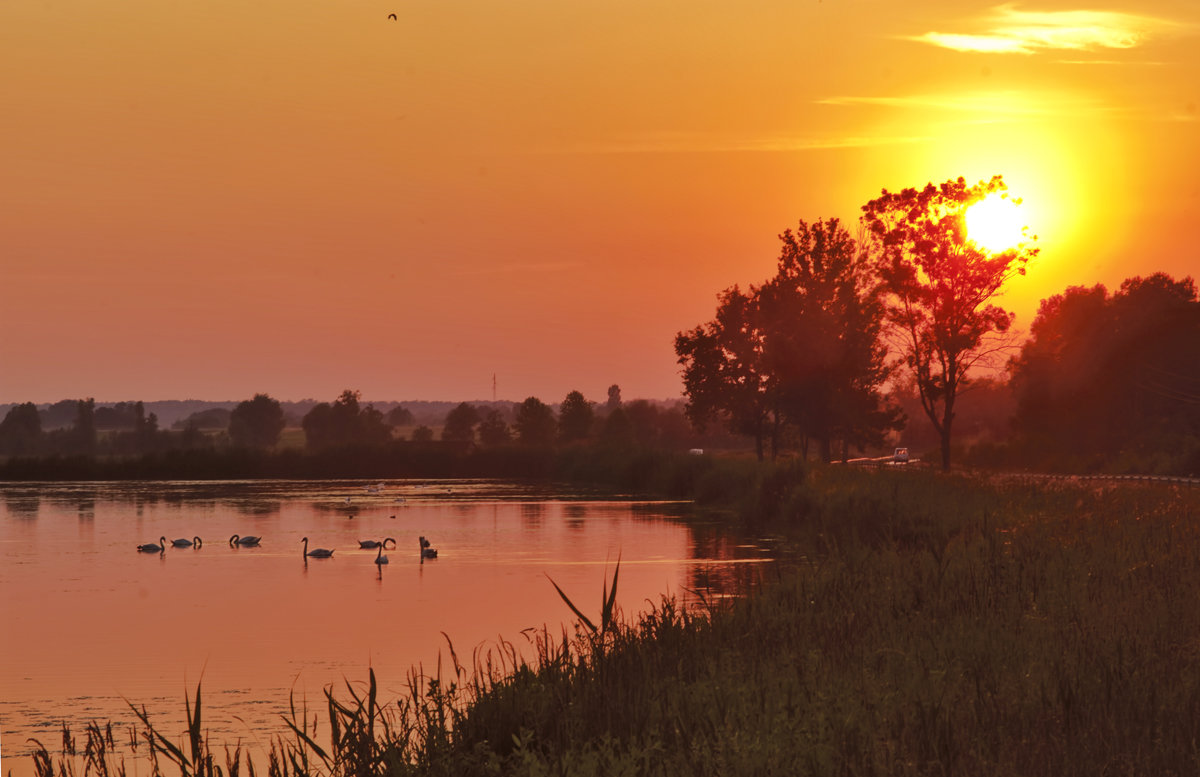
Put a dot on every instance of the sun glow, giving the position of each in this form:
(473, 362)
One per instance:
(995, 224)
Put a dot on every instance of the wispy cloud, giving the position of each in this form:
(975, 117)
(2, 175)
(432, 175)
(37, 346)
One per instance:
(521, 268)
(998, 104)
(1008, 30)
(692, 143)
(1000, 107)
(791, 143)
(1144, 63)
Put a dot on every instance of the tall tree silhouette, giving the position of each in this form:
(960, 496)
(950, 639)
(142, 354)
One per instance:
(460, 423)
(941, 289)
(822, 317)
(614, 398)
(1105, 378)
(21, 431)
(724, 372)
(535, 422)
(344, 423)
(256, 423)
(493, 429)
(575, 417)
(83, 433)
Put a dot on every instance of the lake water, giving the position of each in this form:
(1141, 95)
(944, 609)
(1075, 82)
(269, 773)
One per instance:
(87, 622)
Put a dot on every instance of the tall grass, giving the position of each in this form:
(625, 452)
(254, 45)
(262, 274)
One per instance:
(931, 626)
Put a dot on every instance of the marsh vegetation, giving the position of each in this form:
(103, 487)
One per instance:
(934, 625)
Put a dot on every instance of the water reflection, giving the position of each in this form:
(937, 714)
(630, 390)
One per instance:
(575, 514)
(252, 508)
(531, 515)
(23, 506)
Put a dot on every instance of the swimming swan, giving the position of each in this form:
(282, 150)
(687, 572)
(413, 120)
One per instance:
(316, 552)
(376, 543)
(184, 543)
(426, 551)
(150, 547)
(245, 541)
(379, 557)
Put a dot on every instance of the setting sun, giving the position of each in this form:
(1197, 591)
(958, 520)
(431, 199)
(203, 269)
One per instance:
(995, 223)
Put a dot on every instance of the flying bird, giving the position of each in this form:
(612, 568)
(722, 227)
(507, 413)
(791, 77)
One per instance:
(391, 16)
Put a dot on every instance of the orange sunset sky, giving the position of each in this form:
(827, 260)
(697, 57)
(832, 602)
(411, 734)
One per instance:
(212, 199)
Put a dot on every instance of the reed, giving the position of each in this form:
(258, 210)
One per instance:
(928, 625)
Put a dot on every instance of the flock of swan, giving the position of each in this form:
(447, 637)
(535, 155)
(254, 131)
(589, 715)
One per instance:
(236, 541)
(252, 542)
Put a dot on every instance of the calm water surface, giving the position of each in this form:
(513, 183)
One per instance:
(87, 622)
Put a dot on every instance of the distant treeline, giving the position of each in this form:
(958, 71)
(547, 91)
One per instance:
(347, 439)
(178, 414)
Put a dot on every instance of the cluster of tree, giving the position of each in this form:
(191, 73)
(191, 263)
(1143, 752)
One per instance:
(805, 356)
(213, 419)
(127, 428)
(799, 355)
(344, 423)
(534, 423)
(1112, 378)
(258, 423)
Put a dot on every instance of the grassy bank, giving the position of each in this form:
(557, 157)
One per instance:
(934, 625)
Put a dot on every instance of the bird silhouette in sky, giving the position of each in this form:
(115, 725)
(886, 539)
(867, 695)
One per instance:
(391, 16)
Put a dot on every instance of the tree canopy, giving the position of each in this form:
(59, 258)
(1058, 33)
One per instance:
(822, 316)
(803, 350)
(575, 417)
(1113, 377)
(941, 289)
(400, 416)
(256, 423)
(21, 431)
(460, 423)
(724, 373)
(535, 422)
(493, 429)
(344, 423)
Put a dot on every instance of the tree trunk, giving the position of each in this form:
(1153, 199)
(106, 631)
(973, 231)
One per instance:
(947, 422)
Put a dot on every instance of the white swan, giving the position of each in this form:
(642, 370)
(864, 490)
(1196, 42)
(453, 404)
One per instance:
(244, 541)
(186, 543)
(316, 552)
(150, 547)
(379, 557)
